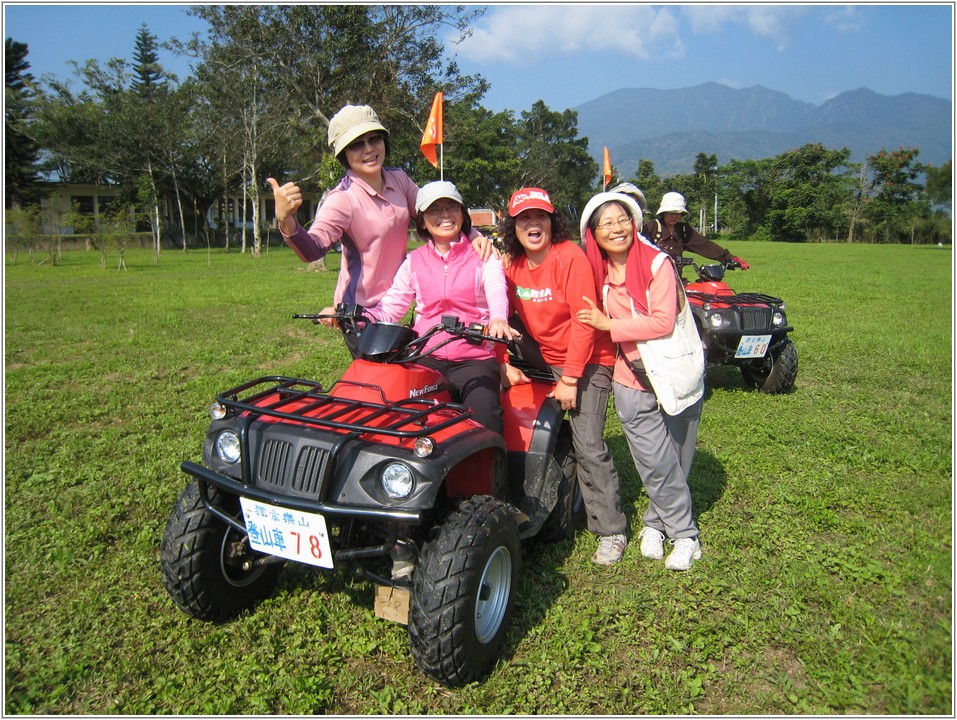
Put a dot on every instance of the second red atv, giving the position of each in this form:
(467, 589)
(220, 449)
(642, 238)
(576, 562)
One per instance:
(747, 330)
(382, 473)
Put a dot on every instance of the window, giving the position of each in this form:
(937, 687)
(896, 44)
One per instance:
(84, 203)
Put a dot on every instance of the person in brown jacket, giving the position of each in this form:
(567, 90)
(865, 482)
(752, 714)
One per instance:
(671, 233)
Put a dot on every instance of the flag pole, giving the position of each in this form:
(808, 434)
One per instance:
(606, 170)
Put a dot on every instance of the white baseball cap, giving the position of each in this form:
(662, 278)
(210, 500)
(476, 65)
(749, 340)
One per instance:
(436, 191)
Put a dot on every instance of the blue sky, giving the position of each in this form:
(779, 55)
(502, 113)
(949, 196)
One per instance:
(568, 54)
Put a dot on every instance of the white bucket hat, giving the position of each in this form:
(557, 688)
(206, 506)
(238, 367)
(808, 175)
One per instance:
(351, 122)
(672, 202)
(600, 199)
(436, 191)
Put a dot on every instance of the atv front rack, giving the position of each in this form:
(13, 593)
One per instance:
(304, 401)
(739, 299)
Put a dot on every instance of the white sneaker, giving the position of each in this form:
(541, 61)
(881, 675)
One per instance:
(610, 549)
(652, 543)
(685, 550)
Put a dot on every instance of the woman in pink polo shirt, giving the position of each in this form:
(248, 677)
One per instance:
(368, 211)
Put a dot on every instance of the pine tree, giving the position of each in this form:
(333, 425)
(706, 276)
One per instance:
(149, 77)
(23, 185)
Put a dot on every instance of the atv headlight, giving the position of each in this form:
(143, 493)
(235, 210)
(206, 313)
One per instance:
(717, 321)
(397, 481)
(778, 319)
(227, 447)
(217, 411)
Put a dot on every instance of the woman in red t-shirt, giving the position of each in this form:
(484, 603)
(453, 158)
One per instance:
(548, 278)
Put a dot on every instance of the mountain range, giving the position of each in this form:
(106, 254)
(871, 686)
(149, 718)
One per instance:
(670, 127)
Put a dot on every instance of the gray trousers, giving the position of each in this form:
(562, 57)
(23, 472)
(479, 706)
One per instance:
(662, 447)
(597, 476)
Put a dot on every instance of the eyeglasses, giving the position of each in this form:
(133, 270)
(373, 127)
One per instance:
(371, 141)
(624, 223)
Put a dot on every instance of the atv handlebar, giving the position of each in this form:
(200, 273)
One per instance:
(710, 272)
(352, 320)
(682, 262)
(349, 317)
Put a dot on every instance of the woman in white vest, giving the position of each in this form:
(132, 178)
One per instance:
(659, 372)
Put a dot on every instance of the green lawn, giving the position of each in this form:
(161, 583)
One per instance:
(826, 514)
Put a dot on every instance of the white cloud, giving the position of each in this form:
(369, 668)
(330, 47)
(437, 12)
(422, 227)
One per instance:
(531, 33)
(771, 22)
(845, 19)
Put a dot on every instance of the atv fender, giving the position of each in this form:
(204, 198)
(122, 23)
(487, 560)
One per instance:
(532, 422)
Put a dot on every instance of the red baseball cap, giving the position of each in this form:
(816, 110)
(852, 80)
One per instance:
(529, 198)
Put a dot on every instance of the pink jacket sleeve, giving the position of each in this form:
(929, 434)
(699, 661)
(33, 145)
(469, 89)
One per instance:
(493, 278)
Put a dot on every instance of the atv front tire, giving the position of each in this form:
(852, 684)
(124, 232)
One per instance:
(463, 592)
(776, 373)
(208, 568)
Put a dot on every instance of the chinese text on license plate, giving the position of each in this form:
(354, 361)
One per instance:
(753, 346)
(291, 534)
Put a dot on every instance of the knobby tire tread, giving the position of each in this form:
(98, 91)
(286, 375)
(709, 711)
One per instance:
(440, 624)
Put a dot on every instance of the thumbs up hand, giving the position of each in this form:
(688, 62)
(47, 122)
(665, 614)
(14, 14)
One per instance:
(288, 200)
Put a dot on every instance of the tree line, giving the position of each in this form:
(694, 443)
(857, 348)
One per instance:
(267, 78)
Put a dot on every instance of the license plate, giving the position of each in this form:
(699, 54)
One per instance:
(753, 346)
(291, 534)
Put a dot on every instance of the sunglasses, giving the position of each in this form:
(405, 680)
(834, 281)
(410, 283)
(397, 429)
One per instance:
(371, 141)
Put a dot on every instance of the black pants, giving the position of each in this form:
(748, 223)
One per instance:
(475, 383)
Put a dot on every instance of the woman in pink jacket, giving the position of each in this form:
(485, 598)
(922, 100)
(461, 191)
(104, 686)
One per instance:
(447, 277)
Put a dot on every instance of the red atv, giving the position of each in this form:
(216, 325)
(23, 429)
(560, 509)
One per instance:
(383, 474)
(748, 330)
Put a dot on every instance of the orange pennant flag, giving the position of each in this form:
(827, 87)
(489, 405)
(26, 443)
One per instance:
(607, 170)
(433, 131)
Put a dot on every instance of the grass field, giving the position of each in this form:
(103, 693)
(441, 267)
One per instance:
(826, 514)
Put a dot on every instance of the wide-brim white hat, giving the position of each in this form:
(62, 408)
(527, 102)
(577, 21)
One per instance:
(350, 123)
(672, 202)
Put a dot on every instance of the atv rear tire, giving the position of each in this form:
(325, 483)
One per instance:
(207, 565)
(463, 592)
(569, 513)
(776, 373)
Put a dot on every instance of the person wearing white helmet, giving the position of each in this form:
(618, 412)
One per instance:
(674, 235)
(368, 211)
(658, 403)
(445, 277)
